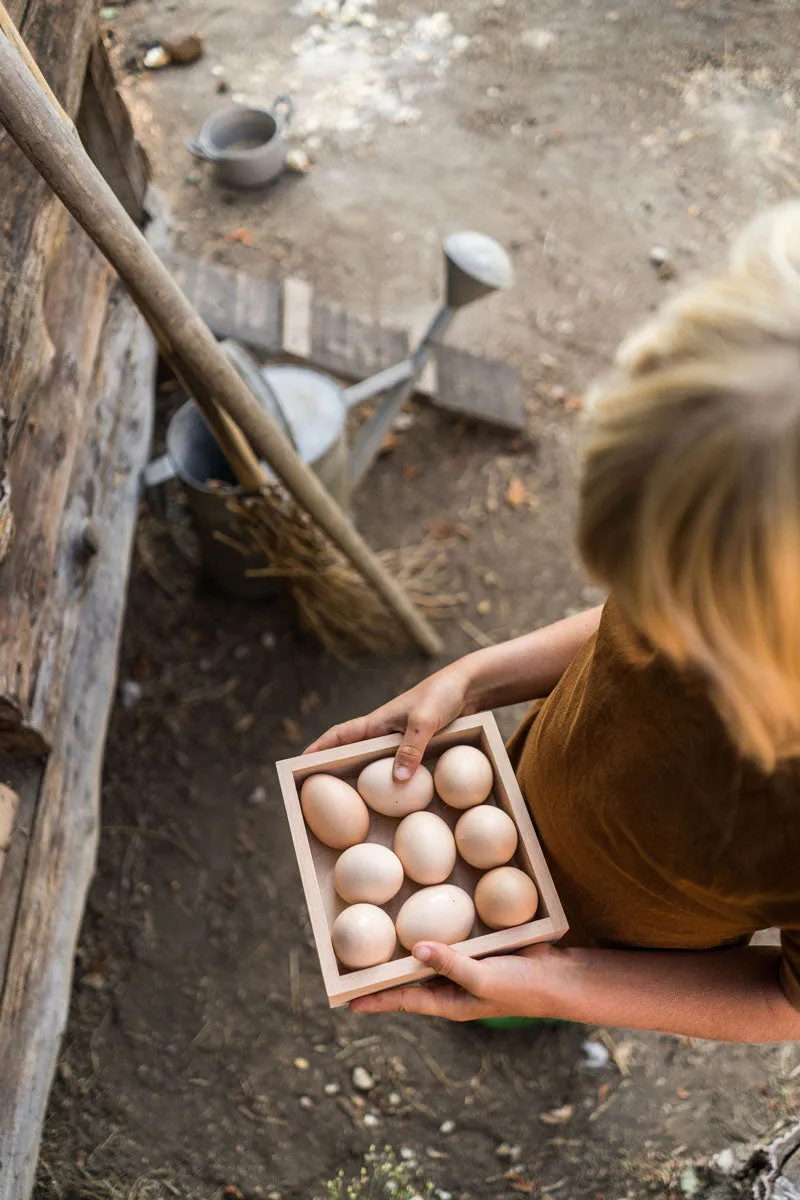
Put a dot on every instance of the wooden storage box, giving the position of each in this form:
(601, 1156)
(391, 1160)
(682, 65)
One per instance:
(317, 861)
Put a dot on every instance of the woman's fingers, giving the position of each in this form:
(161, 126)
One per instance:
(449, 1001)
(467, 972)
(419, 731)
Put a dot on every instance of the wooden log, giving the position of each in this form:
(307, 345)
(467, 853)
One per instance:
(9, 803)
(63, 837)
(33, 222)
(38, 575)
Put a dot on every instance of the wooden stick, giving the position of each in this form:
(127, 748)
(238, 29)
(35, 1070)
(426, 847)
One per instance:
(55, 151)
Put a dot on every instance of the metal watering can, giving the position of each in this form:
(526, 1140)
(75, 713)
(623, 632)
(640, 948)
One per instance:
(312, 409)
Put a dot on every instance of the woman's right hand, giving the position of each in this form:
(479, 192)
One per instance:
(418, 714)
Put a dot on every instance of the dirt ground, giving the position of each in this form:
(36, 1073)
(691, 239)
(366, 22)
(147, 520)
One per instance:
(201, 1054)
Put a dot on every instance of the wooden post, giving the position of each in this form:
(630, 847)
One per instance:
(54, 149)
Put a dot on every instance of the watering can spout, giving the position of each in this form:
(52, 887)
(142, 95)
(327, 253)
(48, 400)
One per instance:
(476, 266)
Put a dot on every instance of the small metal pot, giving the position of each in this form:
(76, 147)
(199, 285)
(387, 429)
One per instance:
(245, 145)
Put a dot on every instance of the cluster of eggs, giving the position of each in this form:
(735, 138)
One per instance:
(425, 849)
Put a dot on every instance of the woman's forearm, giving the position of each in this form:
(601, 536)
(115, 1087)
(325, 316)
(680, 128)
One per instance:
(724, 995)
(528, 667)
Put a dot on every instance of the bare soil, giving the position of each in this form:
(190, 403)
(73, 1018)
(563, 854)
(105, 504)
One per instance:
(200, 1043)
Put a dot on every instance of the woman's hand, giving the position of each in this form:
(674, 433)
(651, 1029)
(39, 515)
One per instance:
(418, 714)
(512, 985)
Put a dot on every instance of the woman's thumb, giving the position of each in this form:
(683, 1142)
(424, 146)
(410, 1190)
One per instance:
(409, 754)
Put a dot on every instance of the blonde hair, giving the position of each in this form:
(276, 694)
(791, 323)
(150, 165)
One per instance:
(690, 490)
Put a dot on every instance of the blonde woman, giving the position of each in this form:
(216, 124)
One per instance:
(662, 769)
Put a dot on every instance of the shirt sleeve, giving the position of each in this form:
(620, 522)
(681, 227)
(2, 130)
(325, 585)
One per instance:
(790, 965)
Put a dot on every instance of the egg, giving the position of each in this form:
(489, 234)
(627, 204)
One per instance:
(444, 913)
(426, 847)
(506, 897)
(363, 936)
(385, 795)
(486, 836)
(463, 776)
(368, 872)
(334, 811)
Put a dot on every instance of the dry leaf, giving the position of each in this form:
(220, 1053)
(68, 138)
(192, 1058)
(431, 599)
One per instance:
(291, 730)
(242, 235)
(440, 530)
(412, 471)
(573, 404)
(309, 702)
(522, 1185)
(245, 723)
(517, 493)
(390, 442)
(558, 1116)
(682, 1094)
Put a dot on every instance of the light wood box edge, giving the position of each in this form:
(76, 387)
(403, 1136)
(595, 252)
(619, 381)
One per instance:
(343, 988)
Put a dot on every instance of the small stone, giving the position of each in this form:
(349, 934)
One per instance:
(447, 1127)
(689, 1181)
(362, 1080)
(494, 92)
(441, 1194)
(241, 652)
(512, 1153)
(302, 1064)
(258, 796)
(331, 1089)
(298, 161)
(273, 1196)
(268, 640)
(394, 1098)
(184, 48)
(595, 1054)
(407, 1154)
(725, 1161)
(156, 58)
(130, 694)
(432, 1153)
(306, 1102)
(370, 1120)
(659, 255)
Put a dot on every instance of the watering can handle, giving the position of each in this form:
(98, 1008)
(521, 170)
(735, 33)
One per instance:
(154, 476)
(199, 150)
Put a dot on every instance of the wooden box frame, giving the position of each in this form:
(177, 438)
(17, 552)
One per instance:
(316, 861)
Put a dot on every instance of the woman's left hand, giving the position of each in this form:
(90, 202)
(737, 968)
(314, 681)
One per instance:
(514, 985)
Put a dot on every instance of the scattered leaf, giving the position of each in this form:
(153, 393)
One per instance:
(522, 1185)
(602, 1092)
(291, 730)
(412, 471)
(693, 210)
(440, 530)
(684, 4)
(245, 723)
(309, 702)
(516, 492)
(573, 404)
(558, 1116)
(682, 1093)
(390, 442)
(243, 236)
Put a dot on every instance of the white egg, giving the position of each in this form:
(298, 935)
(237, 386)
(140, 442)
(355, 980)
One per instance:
(463, 776)
(368, 873)
(363, 936)
(385, 795)
(426, 847)
(486, 836)
(334, 811)
(506, 897)
(444, 913)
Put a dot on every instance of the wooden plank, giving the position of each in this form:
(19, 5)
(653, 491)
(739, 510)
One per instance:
(61, 854)
(38, 576)
(25, 777)
(106, 131)
(484, 389)
(316, 861)
(232, 303)
(298, 299)
(33, 222)
(352, 349)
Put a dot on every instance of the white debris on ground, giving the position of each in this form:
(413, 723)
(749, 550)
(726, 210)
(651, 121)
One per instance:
(353, 71)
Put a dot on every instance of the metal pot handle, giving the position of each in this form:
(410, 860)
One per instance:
(154, 476)
(199, 150)
(282, 120)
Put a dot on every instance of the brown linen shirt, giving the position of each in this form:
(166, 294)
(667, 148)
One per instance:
(658, 834)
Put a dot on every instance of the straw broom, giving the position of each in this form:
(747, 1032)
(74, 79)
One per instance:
(343, 590)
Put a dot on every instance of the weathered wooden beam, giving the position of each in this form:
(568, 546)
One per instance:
(105, 128)
(32, 221)
(62, 839)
